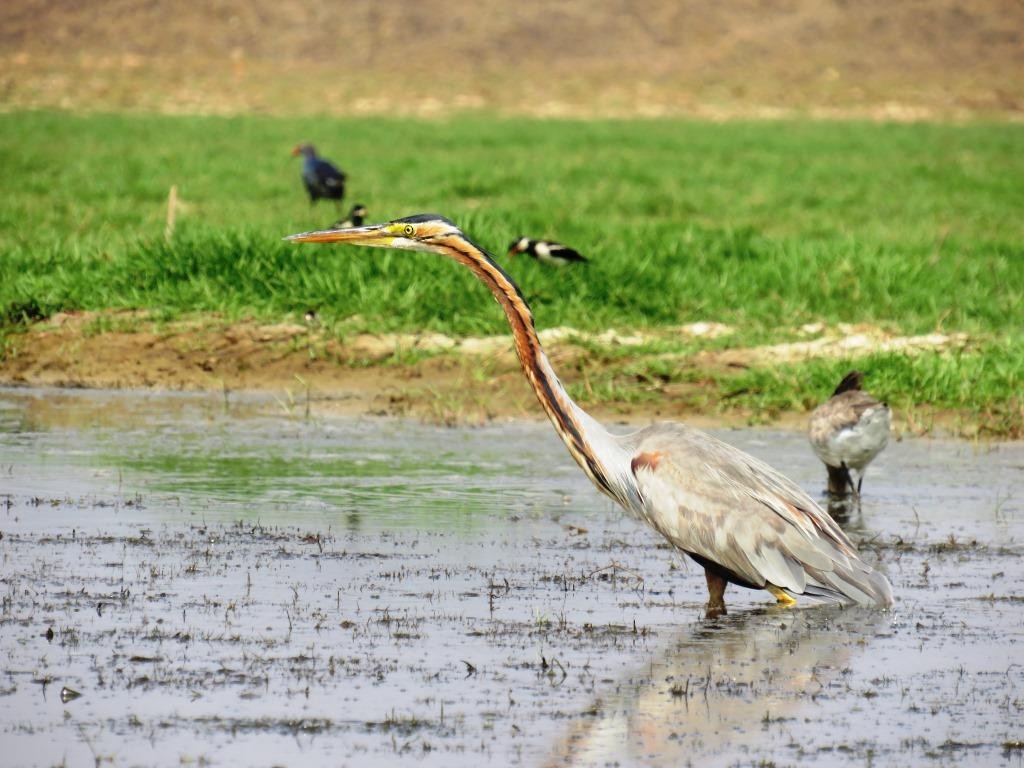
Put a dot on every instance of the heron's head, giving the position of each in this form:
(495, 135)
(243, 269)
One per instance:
(519, 245)
(305, 150)
(423, 232)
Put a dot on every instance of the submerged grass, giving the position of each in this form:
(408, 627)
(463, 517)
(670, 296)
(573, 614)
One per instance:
(763, 226)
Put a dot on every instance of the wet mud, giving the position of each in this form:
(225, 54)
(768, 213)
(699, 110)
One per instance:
(190, 581)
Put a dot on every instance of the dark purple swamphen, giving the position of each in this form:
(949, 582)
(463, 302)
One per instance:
(321, 177)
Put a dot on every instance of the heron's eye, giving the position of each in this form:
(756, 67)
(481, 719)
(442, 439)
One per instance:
(409, 230)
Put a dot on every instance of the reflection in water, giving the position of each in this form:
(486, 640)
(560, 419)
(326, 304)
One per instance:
(845, 509)
(252, 460)
(45, 410)
(719, 687)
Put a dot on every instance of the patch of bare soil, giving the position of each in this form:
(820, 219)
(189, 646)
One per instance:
(849, 341)
(430, 376)
(398, 374)
(917, 59)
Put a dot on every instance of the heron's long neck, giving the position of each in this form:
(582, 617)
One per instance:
(593, 448)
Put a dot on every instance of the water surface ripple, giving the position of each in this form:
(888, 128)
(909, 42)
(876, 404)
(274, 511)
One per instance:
(233, 583)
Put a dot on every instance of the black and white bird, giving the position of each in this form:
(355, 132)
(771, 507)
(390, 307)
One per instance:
(355, 218)
(847, 432)
(546, 251)
(323, 179)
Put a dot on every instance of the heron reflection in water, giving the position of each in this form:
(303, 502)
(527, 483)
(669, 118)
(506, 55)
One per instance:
(712, 694)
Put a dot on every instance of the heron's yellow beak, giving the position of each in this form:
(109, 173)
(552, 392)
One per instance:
(378, 235)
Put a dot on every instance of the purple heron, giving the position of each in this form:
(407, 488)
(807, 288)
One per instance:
(741, 520)
(545, 251)
(847, 432)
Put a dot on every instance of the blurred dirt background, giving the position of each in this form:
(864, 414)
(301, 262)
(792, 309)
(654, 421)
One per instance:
(872, 59)
(903, 60)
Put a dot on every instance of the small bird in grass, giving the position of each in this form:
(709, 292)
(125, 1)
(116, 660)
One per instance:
(738, 518)
(546, 251)
(847, 432)
(321, 177)
(355, 218)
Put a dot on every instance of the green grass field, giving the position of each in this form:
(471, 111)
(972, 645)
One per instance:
(761, 225)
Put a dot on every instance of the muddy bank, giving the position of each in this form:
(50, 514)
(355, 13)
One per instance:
(430, 376)
(234, 584)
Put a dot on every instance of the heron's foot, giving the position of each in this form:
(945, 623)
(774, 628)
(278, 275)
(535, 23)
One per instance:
(714, 610)
(716, 594)
(781, 597)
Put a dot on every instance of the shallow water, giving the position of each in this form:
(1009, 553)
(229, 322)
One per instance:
(235, 583)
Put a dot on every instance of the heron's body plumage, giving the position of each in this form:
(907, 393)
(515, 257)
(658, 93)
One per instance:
(724, 506)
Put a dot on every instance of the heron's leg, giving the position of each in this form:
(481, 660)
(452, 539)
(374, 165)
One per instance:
(781, 597)
(716, 593)
(854, 487)
(839, 482)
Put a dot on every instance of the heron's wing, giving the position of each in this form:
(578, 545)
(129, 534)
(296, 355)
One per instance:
(716, 502)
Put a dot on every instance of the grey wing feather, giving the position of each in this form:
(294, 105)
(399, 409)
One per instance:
(715, 501)
(842, 410)
(850, 429)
